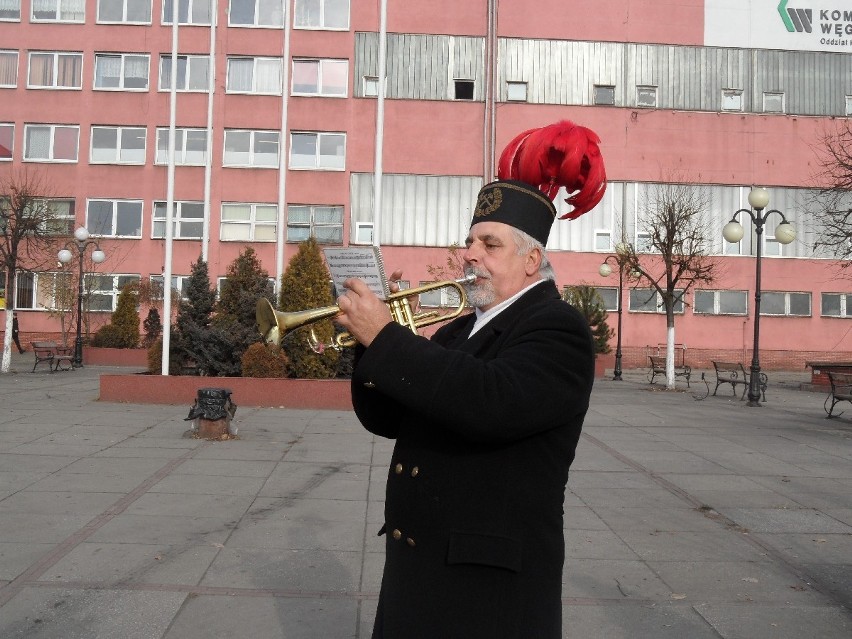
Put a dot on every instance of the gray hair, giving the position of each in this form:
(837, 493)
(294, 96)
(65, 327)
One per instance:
(527, 243)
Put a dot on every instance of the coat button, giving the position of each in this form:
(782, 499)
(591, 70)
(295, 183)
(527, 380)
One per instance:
(369, 385)
(410, 542)
(415, 471)
(397, 534)
(398, 469)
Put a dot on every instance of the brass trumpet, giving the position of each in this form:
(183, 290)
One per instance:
(275, 325)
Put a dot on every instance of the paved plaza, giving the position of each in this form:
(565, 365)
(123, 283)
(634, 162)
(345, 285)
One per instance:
(686, 517)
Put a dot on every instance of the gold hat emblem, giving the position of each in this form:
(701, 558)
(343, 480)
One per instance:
(488, 202)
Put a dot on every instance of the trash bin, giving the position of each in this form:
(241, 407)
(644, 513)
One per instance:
(212, 412)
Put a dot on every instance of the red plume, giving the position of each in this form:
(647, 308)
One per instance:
(561, 154)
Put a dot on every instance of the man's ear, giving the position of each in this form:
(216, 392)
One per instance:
(533, 262)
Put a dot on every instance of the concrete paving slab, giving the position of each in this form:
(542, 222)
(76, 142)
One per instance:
(794, 622)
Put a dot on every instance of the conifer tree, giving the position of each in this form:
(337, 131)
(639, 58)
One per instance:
(123, 328)
(192, 324)
(587, 300)
(306, 284)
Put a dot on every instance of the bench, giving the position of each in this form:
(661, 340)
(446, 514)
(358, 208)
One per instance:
(658, 367)
(841, 391)
(734, 373)
(54, 355)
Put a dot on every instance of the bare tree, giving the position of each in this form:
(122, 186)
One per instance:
(831, 208)
(674, 218)
(27, 236)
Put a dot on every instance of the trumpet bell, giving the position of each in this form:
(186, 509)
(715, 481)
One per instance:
(274, 325)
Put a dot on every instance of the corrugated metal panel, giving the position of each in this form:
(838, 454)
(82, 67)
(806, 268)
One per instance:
(417, 210)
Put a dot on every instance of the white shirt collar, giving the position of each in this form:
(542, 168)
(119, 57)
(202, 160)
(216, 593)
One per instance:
(483, 317)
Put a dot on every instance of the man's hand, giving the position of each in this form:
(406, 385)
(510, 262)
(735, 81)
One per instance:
(361, 312)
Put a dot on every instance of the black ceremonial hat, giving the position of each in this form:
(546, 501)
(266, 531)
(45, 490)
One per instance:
(517, 204)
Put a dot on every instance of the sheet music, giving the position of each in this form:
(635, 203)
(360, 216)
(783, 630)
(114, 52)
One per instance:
(363, 262)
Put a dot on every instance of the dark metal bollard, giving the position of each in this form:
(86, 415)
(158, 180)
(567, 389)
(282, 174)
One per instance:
(212, 412)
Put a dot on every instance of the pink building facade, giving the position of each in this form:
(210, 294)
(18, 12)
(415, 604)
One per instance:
(277, 139)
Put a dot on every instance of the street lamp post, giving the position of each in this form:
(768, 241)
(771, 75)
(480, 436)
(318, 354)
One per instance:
(606, 270)
(733, 232)
(81, 242)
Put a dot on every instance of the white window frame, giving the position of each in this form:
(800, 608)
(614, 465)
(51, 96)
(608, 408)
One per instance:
(333, 230)
(28, 128)
(363, 233)
(179, 285)
(56, 57)
(101, 58)
(644, 242)
(13, 56)
(183, 136)
(186, 12)
(845, 310)
(121, 155)
(10, 127)
(42, 287)
(253, 158)
(276, 21)
(517, 91)
(787, 312)
(680, 304)
(193, 66)
(303, 20)
(370, 86)
(64, 219)
(732, 100)
(62, 9)
(118, 281)
(257, 62)
(124, 9)
(717, 302)
(463, 83)
(606, 293)
(771, 95)
(445, 297)
(183, 219)
(322, 68)
(849, 105)
(120, 208)
(601, 93)
(319, 164)
(11, 15)
(603, 240)
(254, 227)
(648, 91)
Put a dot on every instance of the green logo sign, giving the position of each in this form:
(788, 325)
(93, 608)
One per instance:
(795, 20)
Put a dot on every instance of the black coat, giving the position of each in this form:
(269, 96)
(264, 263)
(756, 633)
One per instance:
(485, 430)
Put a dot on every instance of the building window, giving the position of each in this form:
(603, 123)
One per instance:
(325, 223)
(320, 77)
(644, 242)
(114, 218)
(245, 222)
(720, 302)
(732, 99)
(10, 10)
(463, 89)
(103, 290)
(363, 233)
(62, 218)
(251, 148)
(784, 303)
(180, 285)
(609, 296)
(254, 75)
(732, 248)
(603, 241)
(849, 105)
(124, 11)
(121, 72)
(190, 147)
(40, 291)
(604, 94)
(7, 138)
(318, 151)
(516, 91)
(59, 10)
(118, 145)
(192, 73)
(371, 86)
(256, 13)
(445, 297)
(8, 69)
(49, 70)
(50, 142)
(195, 12)
(646, 97)
(837, 304)
(773, 102)
(647, 300)
(187, 220)
(321, 14)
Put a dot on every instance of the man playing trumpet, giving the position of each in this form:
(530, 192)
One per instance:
(486, 415)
